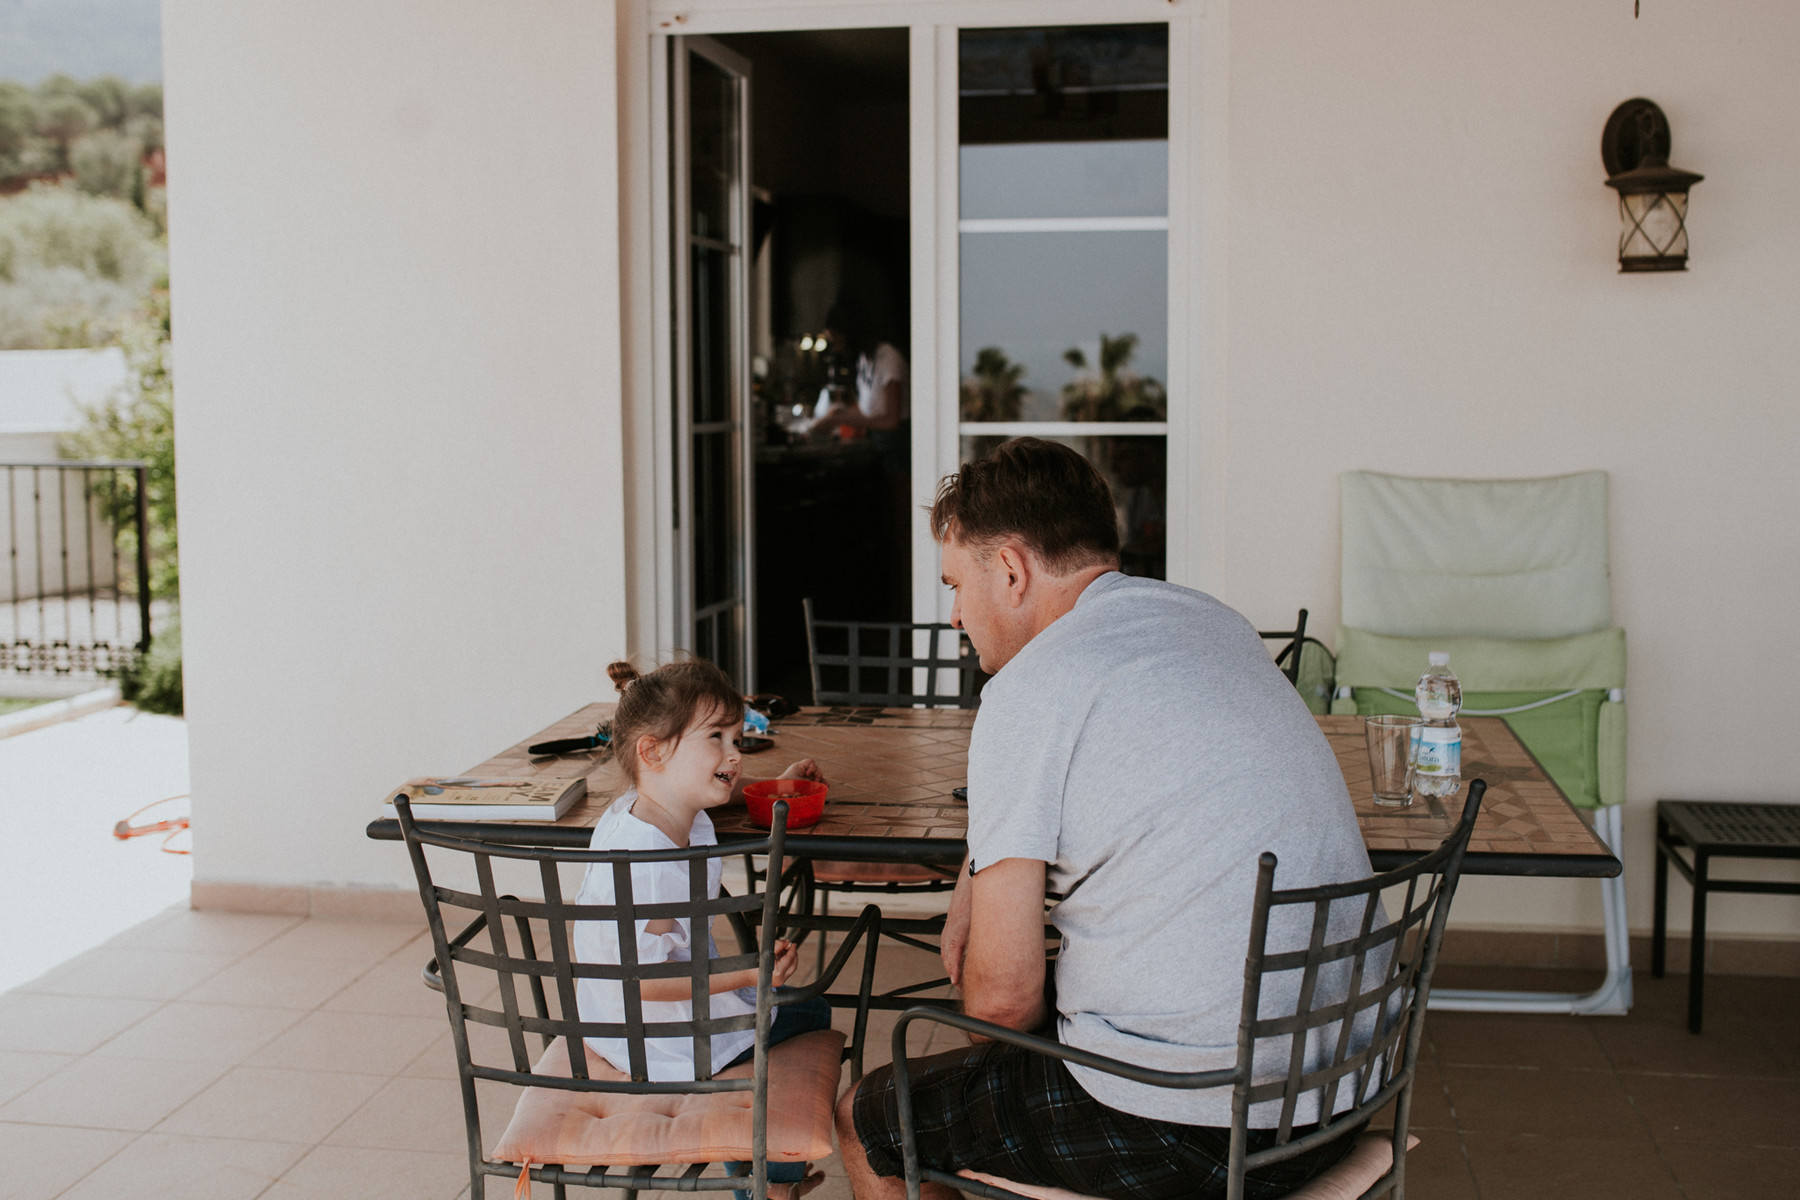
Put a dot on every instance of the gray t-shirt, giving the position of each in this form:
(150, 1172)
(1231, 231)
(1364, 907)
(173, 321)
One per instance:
(1147, 749)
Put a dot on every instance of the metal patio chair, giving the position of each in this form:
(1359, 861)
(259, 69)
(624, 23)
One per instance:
(579, 1119)
(878, 664)
(1370, 1040)
(1288, 656)
(1306, 662)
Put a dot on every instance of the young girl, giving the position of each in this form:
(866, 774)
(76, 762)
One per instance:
(675, 735)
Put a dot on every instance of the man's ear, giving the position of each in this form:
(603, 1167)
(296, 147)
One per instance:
(1016, 562)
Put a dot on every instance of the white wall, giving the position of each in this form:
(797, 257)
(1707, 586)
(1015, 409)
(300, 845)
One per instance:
(395, 263)
(394, 251)
(1423, 279)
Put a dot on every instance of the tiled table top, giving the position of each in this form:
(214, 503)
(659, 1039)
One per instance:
(891, 772)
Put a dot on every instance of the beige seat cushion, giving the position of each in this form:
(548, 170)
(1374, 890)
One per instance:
(826, 871)
(1367, 1161)
(609, 1129)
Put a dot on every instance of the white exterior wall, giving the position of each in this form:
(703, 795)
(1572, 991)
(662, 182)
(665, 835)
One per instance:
(394, 255)
(1423, 280)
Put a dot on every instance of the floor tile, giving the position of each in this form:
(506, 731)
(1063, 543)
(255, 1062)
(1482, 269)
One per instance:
(270, 1105)
(279, 982)
(1436, 1168)
(1589, 1104)
(350, 1173)
(167, 1167)
(1431, 1107)
(1661, 1044)
(425, 1114)
(1718, 1111)
(1783, 1038)
(362, 1043)
(1540, 1168)
(396, 988)
(208, 932)
(66, 1024)
(1510, 1040)
(131, 972)
(367, 942)
(1733, 1172)
(438, 1060)
(43, 1160)
(111, 1093)
(184, 1031)
(20, 1070)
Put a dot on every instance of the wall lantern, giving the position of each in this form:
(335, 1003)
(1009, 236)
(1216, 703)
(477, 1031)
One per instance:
(1652, 195)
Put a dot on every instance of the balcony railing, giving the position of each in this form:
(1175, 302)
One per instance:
(75, 580)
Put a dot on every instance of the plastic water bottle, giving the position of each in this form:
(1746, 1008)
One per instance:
(1437, 752)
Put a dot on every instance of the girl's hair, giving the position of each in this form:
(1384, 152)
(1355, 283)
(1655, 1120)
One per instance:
(664, 703)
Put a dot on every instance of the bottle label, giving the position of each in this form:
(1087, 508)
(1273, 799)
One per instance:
(1438, 751)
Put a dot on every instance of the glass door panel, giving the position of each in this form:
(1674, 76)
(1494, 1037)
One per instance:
(709, 106)
(1063, 245)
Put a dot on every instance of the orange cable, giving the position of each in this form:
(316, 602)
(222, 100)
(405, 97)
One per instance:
(124, 830)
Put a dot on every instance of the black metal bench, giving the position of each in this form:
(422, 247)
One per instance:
(1715, 829)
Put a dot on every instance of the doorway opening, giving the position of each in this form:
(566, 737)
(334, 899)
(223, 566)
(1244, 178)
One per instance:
(829, 339)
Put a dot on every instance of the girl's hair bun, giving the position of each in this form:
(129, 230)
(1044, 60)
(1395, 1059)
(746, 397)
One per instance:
(623, 674)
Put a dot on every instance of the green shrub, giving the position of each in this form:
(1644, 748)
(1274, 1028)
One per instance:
(108, 164)
(139, 422)
(153, 683)
(72, 267)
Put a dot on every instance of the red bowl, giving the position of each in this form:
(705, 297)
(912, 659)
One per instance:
(805, 800)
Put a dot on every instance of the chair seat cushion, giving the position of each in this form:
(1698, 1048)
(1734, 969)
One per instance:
(827, 871)
(1367, 1161)
(610, 1129)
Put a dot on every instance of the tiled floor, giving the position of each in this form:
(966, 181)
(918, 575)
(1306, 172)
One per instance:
(212, 1056)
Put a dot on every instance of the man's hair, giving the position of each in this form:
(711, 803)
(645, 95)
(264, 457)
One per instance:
(1042, 493)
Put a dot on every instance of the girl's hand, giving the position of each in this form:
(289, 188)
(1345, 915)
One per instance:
(787, 961)
(806, 768)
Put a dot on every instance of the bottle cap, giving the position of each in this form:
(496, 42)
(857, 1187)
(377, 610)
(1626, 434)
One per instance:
(1439, 658)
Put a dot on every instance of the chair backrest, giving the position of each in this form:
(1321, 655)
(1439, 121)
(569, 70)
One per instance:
(1343, 1059)
(1315, 675)
(1506, 558)
(1328, 1036)
(536, 955)
(877, 663)
(1288, 657)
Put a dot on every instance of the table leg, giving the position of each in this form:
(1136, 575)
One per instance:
(1659, 928)
(1697, 950)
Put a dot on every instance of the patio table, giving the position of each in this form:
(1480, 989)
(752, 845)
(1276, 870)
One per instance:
(892, 771)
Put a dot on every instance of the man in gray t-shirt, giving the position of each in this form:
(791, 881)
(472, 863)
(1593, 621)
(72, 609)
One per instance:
(1135, 751)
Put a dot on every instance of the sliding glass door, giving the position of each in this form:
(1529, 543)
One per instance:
(709, 193)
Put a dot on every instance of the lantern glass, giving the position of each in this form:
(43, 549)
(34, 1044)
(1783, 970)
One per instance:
(1654, 234)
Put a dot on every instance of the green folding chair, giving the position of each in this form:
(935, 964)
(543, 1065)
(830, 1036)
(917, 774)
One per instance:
(1510, 577)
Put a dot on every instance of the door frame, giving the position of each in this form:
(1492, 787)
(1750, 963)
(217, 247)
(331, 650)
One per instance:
(1196, 369)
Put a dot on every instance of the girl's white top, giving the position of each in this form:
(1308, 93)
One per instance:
(670, 1058)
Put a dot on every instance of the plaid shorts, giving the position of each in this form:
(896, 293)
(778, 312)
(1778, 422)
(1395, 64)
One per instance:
(1008, 1112)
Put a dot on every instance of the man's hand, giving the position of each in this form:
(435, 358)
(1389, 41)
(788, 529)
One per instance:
(1003, 965)
(955, 941)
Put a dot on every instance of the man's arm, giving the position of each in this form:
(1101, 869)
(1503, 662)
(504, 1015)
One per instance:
(1003, 964)
(955, 940)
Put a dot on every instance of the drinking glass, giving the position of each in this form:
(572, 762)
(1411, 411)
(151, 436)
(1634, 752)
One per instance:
(1390, 741)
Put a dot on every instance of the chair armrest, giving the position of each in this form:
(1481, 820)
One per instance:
(867, 925)
(1192, 1080)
